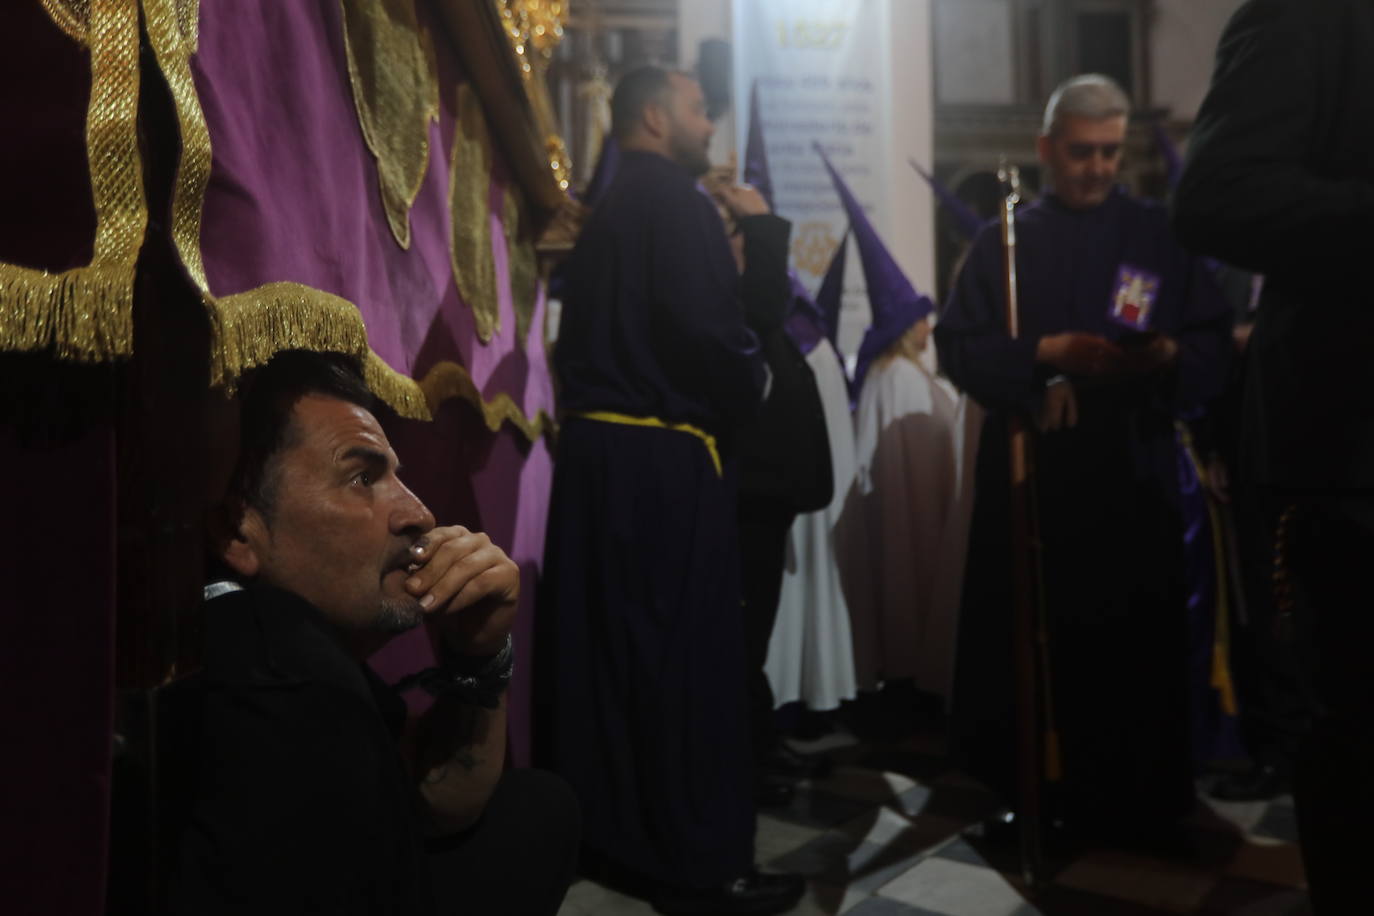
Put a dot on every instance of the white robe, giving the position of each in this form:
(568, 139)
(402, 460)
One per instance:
(904, 531)
(811, 655)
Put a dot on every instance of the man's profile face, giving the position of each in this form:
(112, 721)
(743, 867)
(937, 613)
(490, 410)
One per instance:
(342, 523)
(689, 130)
(1083, 156)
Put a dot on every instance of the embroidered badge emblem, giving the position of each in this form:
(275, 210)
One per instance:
(1134, 297)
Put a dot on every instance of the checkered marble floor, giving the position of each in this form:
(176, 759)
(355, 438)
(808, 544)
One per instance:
(887, 835)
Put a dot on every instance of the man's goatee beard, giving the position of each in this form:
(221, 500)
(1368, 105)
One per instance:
(399, 615)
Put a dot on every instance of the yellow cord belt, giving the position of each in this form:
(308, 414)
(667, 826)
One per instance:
(607, 416)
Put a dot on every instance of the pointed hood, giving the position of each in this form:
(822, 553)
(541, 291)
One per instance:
(831, 292)
(607, 164)
(895, 304)
(965, 219)
(755, 153)
(801, 299)
(803, 324)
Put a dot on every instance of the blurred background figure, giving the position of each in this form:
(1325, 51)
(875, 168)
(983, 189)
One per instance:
(1276, 181)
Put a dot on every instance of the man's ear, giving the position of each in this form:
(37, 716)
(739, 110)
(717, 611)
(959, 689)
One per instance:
(239, 533)
(655, 119)
(1042, 147)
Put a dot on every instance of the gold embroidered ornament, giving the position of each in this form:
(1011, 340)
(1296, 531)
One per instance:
(395, 80)
(469, 192)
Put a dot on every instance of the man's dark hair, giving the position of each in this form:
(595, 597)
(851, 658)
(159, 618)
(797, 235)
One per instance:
(267, 396)
(635, 90)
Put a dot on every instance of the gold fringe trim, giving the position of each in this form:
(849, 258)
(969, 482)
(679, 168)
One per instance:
(450, 380)
(86, 313)
(253, 325)
(400, 391)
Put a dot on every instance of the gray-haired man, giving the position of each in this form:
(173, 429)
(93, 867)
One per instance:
(1121, 330)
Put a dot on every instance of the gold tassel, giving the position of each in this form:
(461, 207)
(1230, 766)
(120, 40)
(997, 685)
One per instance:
(1220, 679)
(252, 326)
(401, 392)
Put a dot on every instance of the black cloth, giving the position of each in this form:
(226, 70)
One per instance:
(1273, 713)
(763, 529)
(785, 451)
(521, 857)
(1111, 559)
(1332, 541)
(301, 802)
(1277, 181)
(641, 590)
(297, 799)
(785, 469)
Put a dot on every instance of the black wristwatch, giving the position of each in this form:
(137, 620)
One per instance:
(477, 680)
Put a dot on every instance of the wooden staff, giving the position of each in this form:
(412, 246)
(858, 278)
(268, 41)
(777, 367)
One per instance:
(1029, 770)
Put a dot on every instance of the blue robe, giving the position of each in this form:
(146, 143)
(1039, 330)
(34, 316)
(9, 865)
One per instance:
(1111, 562)
(641, 591)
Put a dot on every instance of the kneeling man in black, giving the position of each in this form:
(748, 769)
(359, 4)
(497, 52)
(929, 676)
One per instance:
(310, 790)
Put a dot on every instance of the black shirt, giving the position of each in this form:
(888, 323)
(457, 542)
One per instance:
(300, 800)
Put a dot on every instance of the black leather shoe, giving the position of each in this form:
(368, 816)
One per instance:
(787, 763)
(770, 793)
(1261, 782)
(754, 893)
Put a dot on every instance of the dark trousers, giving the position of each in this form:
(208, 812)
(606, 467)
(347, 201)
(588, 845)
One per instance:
(763, 528)
(1333, 593)
(518, 860)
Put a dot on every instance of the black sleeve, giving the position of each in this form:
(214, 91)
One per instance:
(971, 338)
(1252, 193)
(764, 287)
(703, 341)
(1204, 341)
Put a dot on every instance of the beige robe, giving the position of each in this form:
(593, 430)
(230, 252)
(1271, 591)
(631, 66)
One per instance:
(904, 530)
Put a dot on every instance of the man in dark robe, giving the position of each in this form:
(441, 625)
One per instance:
(1120, 330)
(657, 368)
(1278, 181)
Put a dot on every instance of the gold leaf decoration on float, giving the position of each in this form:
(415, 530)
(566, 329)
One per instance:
(522, 262)
(392, 68)
(469, 189)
